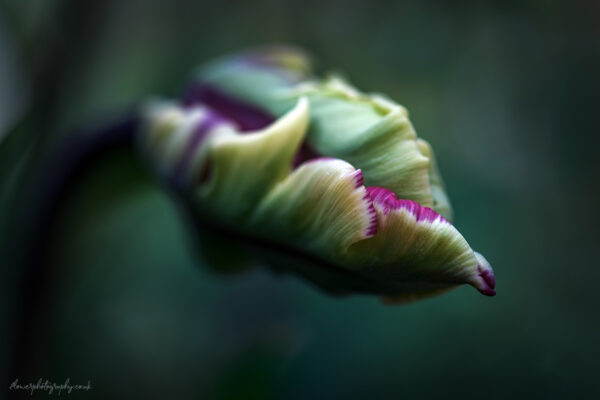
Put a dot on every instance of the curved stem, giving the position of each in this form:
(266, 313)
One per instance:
(36, 213)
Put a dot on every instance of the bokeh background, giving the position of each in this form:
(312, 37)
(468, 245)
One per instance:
(508, 95)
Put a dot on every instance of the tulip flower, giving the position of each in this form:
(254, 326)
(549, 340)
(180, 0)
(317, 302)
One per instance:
(321, 178)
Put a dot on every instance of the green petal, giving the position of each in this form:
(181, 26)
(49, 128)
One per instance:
(322, 208)
(168, 131)
(419, 249)
(371, 132)
(263, 76)
(441, 202)
(245, 166)
(229, 171)
(164, 131)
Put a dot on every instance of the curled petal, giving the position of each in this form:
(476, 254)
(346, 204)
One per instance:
(245, 166)
(369, 131)
(322, 207)
(419, 249)
(174, 139)
(373, 135)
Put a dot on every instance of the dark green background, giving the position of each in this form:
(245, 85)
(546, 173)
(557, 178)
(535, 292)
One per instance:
(506, 94)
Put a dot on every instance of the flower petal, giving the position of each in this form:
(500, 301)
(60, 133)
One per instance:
(372, 135)
(370, 131)
(418, 248)
(441, 202)
(322, 208)
(261, 77)
(173, 138)
(245, 166)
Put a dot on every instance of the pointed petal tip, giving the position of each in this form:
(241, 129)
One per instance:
(485, 280)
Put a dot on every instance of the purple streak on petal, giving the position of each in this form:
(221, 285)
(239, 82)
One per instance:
(389, 201)
(200, 132)
(247, 116)
(487, 275)
(358, 178)
(372, 228)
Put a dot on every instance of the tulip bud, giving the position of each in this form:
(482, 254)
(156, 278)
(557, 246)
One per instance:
(334, 179)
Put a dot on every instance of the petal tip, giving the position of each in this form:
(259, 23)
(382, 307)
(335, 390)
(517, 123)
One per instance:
(486, 281)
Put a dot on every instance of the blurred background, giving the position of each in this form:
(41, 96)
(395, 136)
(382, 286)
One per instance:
(508, 96)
